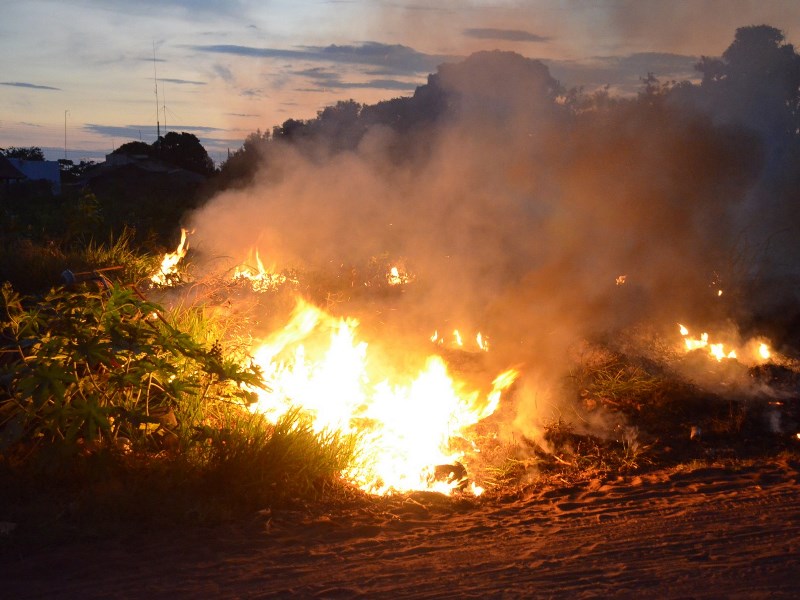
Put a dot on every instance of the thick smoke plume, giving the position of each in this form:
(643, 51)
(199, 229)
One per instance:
(533, 215)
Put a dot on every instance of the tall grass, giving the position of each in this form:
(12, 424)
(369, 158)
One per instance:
(103, 386)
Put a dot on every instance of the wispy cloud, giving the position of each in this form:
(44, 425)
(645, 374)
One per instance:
(624, 71)
(224, 73)
(508, 35)
(31, 86)
(184, 81)
(327, 80)
(398, 58)
(141, 131)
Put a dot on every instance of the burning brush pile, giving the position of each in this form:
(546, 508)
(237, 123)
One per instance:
(438, 415)
(412, 420)
(485, 283)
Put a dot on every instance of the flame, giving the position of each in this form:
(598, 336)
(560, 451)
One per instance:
(482, 342)
(397, 277)
(169, 265)
(260, 278)
(404, 425)
(716, 350)
(754, 351)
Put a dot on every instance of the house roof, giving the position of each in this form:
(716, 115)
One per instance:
(9, 171)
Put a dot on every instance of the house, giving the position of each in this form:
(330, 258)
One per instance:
(39, 170)
(8, 172)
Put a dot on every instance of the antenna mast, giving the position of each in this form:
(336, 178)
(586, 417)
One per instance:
(164, 105)
(155, 82)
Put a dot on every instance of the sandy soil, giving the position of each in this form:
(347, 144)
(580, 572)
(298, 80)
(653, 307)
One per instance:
(703, 532)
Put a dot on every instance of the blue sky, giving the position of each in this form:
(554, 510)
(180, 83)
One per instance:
(227, 68)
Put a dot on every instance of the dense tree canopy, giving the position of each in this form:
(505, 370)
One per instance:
(25, 153)
(180, 149)
(756, 82)
(184, 150)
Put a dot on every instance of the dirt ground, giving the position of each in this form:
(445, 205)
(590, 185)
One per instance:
(691, 533)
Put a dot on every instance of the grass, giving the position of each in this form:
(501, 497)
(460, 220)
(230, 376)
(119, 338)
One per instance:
(119, 412)
(111, 401)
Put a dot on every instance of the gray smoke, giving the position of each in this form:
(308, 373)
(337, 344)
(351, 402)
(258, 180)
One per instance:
(516, 216)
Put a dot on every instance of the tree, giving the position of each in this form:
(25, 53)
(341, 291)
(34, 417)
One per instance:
(135, 148)
(756, 82)
(26, 153)
(184, 150)
(241, 166)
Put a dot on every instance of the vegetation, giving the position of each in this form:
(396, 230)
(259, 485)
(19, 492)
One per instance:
(101, 387)
(114, 400)
(28, 153)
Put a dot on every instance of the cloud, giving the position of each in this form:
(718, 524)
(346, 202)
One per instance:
(329, 80)
(398, 58)
(139, 131)
(224, 73)
(509, 35)
(624, 72)
(184, 81)
(192, 7)
(31, 86)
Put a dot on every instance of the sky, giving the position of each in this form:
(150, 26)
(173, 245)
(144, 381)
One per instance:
(78, 78)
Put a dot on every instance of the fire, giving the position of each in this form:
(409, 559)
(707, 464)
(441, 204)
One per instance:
(404, 424)
(169, 265)
(395, 276)
(260, 278)
(482, 342)
(457, 341)
(755, 351)
(716, 350)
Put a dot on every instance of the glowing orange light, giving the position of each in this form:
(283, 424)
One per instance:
(169, 264)
(404, 422)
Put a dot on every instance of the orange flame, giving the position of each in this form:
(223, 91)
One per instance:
(260, 278)
(404, 424)
(169, 265)
(753, 351)
(395, 276)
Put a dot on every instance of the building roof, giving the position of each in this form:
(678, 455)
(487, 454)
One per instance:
(8, 170)
(39, 170)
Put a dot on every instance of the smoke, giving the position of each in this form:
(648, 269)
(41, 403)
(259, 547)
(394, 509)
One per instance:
(516, 216)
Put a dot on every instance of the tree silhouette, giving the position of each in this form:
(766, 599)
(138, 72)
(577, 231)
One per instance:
(184, 150)
(756, 82)
(26, 153)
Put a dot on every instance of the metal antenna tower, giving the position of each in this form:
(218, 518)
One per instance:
(155, 82)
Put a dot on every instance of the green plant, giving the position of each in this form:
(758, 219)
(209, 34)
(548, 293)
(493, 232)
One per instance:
(257, 461)
(84, 370)
(119, 252)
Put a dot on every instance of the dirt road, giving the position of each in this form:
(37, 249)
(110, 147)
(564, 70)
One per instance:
(708, 532)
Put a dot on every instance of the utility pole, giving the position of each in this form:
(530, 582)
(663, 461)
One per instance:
(65, 134)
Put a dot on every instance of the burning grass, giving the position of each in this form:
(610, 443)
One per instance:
(218, 405)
